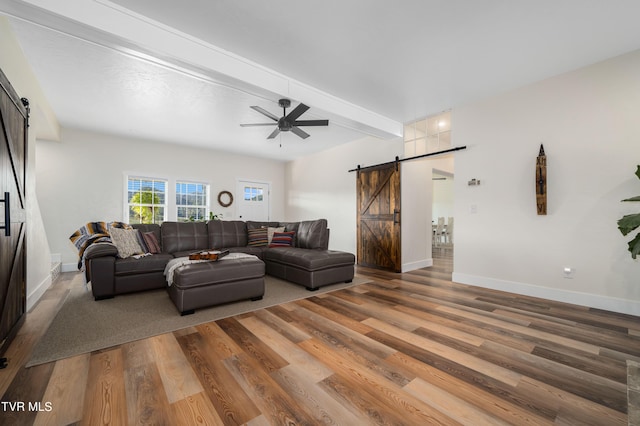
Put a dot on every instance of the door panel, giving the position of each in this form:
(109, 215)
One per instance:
(13, 149)
(378, 197)
(253, 200)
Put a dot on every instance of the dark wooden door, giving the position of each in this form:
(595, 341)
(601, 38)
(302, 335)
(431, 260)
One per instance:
(13, 156)
(379, 217)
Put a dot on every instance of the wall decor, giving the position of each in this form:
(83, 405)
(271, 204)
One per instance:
(541, 182)
(225, 198)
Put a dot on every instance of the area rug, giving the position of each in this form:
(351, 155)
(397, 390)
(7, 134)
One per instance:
(83, 325)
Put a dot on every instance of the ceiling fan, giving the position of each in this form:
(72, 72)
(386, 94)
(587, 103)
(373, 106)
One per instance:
(288, 122)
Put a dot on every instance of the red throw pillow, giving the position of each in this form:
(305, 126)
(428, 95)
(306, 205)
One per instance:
(282, 239)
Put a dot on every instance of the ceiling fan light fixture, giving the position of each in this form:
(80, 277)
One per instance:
(288, 122)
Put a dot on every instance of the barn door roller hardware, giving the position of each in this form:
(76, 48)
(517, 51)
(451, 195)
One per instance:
(400, 160)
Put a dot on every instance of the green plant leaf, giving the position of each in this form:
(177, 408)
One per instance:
(633, 198)
(628, 223)
(634, 246)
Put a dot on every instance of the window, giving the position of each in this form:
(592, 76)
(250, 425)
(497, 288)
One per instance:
(192, 201)
(252, 193)
(146, 200)
(431, 134)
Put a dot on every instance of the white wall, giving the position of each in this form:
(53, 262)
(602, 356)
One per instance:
(588, 121)
(320, 186)
(42, 123)
(82, 179)
(416, 195)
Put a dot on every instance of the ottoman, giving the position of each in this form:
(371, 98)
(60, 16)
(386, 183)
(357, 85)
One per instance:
(204, 284)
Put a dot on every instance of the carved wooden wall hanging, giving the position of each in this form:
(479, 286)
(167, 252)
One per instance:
(541, 182)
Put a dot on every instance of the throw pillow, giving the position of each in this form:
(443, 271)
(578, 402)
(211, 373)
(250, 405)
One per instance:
(271, 230)
(143, 244)
(257, 237)
(282, 239)
(151, 241)
(126, 241)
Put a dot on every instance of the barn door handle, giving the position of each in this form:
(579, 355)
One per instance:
(7, 215)
(396, 216)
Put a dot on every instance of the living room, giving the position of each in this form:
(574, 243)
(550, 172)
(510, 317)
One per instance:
(542, 113)
(585, 117)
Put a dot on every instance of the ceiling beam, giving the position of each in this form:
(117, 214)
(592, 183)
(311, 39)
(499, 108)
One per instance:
(108, 24)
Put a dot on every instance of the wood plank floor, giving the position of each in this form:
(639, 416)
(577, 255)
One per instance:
(410, 349)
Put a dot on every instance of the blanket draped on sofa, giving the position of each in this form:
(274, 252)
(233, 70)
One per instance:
(93, 232)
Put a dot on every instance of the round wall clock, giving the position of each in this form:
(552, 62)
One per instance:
(225, 198)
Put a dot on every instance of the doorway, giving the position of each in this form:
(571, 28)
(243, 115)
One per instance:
(426, 136)
(442, 209)
(253, 200)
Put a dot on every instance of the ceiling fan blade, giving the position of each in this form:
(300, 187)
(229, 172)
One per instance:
(297, 112)
(300, 132)
(256, 124)
(273, 134)
(311, 123)
(265, 112)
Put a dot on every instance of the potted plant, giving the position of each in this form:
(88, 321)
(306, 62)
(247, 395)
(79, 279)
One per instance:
(629, 223)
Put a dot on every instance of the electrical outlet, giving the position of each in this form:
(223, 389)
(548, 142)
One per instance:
(568, 272)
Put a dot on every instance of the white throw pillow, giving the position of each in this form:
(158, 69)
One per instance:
(126, 241)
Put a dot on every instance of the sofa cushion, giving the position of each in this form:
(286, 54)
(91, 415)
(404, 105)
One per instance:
(313, 234)
(252, 224)
(256, 251)
(145, 228)
(309, 259)
(227, 233)
(143, 265)
(223, 271)
(100, 250)
(184, 236)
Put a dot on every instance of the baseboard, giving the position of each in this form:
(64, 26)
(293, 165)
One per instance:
(412, 266)
(630, 307)
(37, 293)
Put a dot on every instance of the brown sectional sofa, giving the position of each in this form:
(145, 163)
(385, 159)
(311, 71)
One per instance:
(308, 262)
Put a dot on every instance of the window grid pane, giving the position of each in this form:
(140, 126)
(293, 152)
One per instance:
(146, 200)
(192, 203)
(253, 193)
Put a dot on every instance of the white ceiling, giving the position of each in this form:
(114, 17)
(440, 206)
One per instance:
(187, 72)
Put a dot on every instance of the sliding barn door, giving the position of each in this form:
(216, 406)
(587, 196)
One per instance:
(13, 152)
(379, 217)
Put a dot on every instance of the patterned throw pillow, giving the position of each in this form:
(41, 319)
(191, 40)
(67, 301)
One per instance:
(151, 241)
(257, 237)
(126, 241)
(271, 230)
(282, 239)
